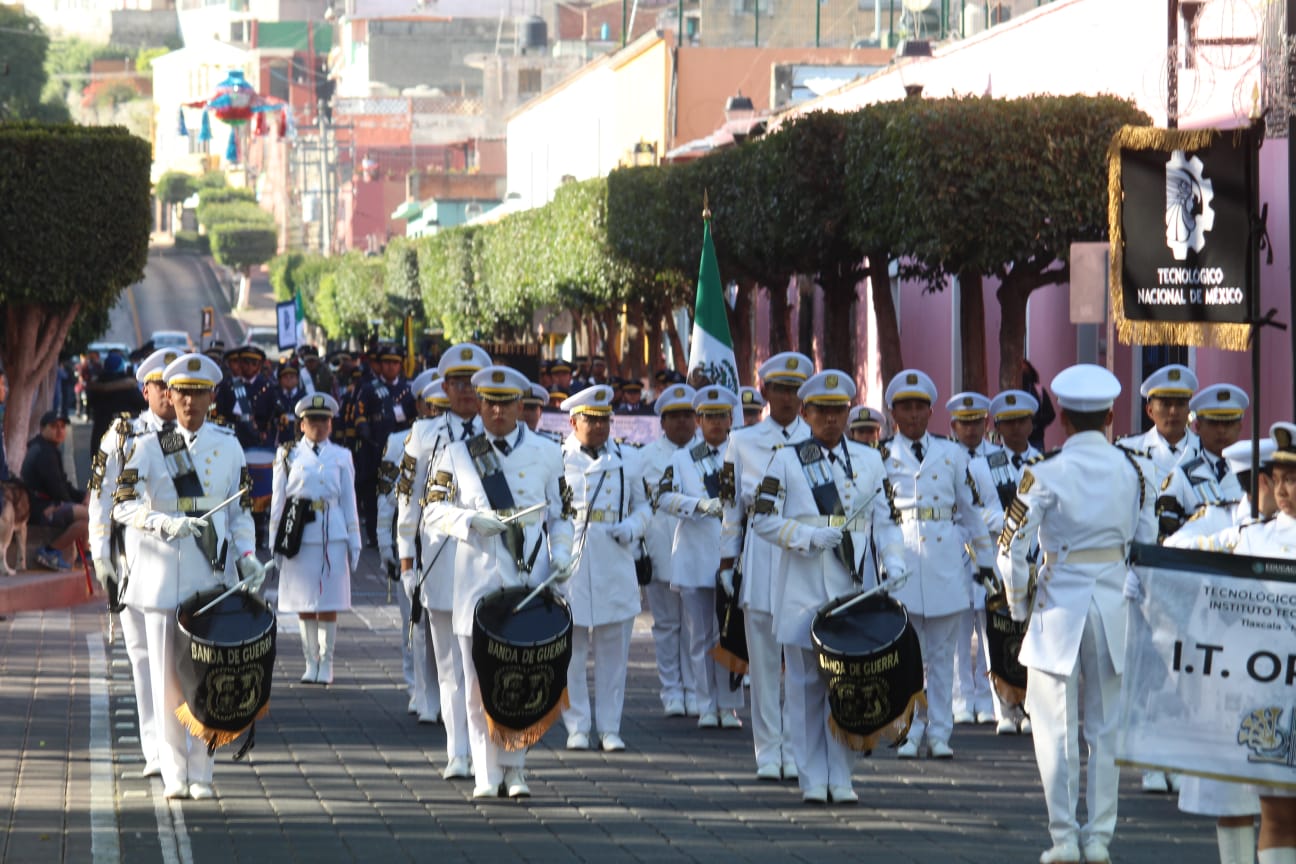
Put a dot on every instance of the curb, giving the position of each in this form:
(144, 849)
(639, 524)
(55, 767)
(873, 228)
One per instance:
(33, 591)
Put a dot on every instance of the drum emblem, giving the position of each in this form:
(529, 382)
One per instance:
(522, 690)
(861, 702)
(234, 694)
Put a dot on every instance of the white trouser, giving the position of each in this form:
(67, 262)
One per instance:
(936, 638)
(611, 644)
(771, 717)
(971, 655)
(1053, 702)
(451, 677)
(489, 759)
(427, 696)
(675, 675)
(136, 639)
(407, 654)
(182, 757)
(821, 759)
(712, 679)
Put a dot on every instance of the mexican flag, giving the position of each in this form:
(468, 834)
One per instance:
(710, 348)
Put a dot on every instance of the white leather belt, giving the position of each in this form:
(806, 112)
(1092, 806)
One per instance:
(926, 514)
(1109, 555)
(859, 523)
(186, 505)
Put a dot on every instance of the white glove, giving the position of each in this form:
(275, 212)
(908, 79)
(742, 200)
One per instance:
(252, 572)
(1133, 586)
(562, 566)
(486, 525)
(622, 532)
(711, 507)
(726, 579)
(826, 538)
(895, 581)
(105, 570)
(175, 527)
(355, 557)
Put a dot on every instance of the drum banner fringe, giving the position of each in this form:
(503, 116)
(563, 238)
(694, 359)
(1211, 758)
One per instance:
(513, 740)
(894, 732)
(1229, 337)
(731, 661)
(1009, 694)
(214, 737)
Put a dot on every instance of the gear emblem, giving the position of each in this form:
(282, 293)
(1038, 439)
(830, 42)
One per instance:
(1188, 213)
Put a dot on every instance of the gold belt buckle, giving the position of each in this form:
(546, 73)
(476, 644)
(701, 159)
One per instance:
(836, 521)
(185, 504)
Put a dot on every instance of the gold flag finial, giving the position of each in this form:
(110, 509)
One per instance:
(706, 207)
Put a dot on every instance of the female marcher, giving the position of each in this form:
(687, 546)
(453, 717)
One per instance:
(317, 532)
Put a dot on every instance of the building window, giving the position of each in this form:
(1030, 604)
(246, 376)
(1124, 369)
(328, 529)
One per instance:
(748, 7)
(528, 82)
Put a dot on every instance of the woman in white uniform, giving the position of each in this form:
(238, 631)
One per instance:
(314, 481)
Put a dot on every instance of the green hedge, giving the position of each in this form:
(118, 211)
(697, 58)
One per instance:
(192, 241)
(242, 212)
(243, 246)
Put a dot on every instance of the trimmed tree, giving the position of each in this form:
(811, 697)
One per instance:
(241, 247)
(53, 267)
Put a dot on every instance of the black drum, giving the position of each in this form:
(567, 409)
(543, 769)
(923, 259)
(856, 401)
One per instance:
(521, 660)
(872, 662)
(225, 660)
(1007, 675)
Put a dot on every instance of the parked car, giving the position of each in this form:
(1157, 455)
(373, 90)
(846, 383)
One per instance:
(265, 338)
(171, 339)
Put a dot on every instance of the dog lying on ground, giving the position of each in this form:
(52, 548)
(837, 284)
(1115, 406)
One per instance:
(15, 510)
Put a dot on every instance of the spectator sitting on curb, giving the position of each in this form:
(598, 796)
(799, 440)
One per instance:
(55, 501)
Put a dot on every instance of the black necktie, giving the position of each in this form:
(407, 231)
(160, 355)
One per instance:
(467, 430)
(972, 452)
(592, 452)
(1016, 460)
(1221, 468)
(1173, 448)
(315, 447)
(785, 434)
(918, 450)
(713, 451)
(501, 445)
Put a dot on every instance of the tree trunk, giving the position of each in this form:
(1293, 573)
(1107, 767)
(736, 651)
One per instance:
(890, 352)
(740, 319)
(653, 335)
(33, 336)
(245, 288)
(1012, 333)
(805, 316)
(780, 319)
(632, 359)
(612, 338)
(676, 343)
(839, 323)
(972, 332)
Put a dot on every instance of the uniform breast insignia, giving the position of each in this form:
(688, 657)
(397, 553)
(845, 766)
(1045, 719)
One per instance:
(1026, 483)
(976, 493)
(1013, 520)
(809, 452)
(997, 459)
(728, 484)
(699, 451)
(245, 486)
(667, 482)
(126, 485)
(441, 486)
(565, 493)
(889, 488)
(98, 462)
(766, 494)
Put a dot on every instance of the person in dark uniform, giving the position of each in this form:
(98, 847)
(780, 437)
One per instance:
(238, 392)
(384, 405)
(275, 407)
(632, 398)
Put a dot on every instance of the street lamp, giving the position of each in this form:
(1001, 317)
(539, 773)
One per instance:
(910, 59)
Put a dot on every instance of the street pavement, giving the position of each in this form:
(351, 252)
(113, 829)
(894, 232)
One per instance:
(343, 773)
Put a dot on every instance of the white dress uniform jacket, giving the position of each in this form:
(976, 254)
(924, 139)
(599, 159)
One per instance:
(388, 474)
(603, 588)
(533, 468)
(696, 540)
(1194, 483)
(1084, 538)
(653, 460)
(166, 574)
(1163, 455)
(115, 447)
(318, 577)
(750, 450)
(786, 515)
(939, 511)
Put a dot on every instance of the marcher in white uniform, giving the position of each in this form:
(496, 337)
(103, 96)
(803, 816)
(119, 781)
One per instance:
(756, 562)
(170, 566)
(428, 562)
(972, 702)
(1205, 478)
(476, 483)
(940, 514)
(753, 404)
(864, 425)
(611, 516)
(424, 701)
(114, 565)
(1217, 526)
(690, 492)
(821, 562)
(670, 638)
(314, 480)
(1277, 539)
(1013, 413)
(1087, 502)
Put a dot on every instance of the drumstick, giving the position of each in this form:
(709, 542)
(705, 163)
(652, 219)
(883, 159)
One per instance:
(525, 511)
(534, 592)
(877, 589)
(237, 586)
(228, 501)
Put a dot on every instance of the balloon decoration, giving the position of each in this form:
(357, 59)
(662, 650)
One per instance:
(234, 103)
